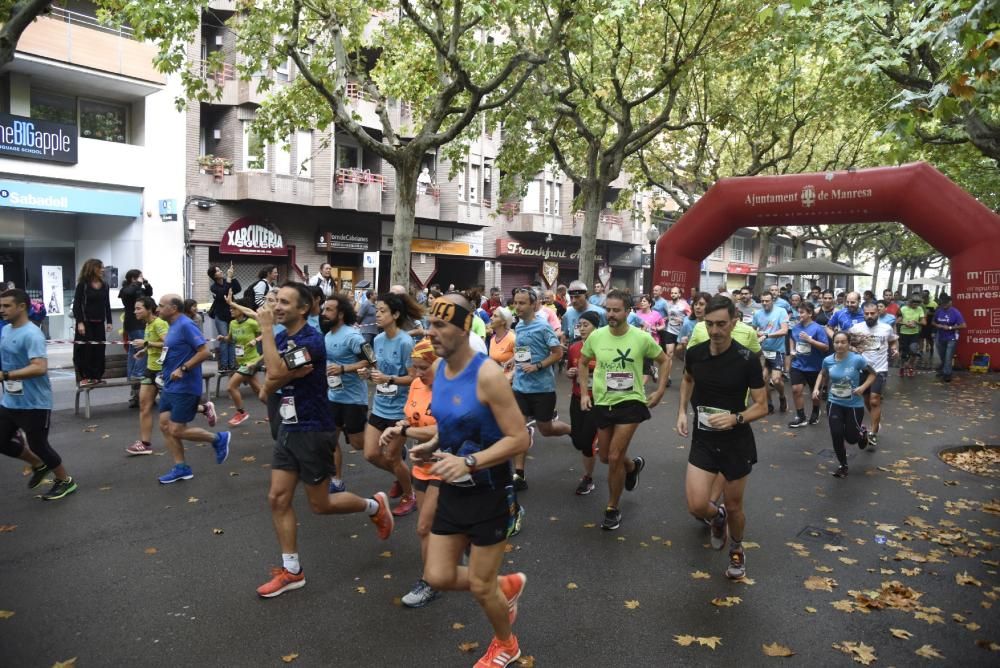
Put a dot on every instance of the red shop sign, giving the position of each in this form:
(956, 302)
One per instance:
(738, 268)
(252, 236)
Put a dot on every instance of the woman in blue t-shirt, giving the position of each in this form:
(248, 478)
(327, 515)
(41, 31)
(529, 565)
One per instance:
(846, 406)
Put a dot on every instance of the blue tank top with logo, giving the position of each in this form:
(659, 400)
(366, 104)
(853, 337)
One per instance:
(466, 426)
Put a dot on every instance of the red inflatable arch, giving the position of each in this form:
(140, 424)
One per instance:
(916, 195)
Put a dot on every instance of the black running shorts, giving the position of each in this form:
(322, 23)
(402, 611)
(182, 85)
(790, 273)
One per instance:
(485, 516)
(734, 459)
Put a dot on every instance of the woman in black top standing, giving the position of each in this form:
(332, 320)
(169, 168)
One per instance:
(92, 312)
(222, 284)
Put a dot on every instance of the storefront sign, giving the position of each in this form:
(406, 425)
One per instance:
(440, 247)
(550, 271)
(67, 199)
(168, 210)
(738, 268)
(334, 241)
(23, 137)
(52, 289)
(509, 247)
(252, 236)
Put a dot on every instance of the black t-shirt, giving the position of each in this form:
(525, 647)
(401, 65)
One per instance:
(720, 384)
(821, 317)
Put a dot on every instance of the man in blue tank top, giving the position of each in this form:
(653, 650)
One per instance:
(478, 431)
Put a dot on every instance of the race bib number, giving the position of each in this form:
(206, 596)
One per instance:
(163, 356)
(747, 318)
(287, 411)
(522, 355)
(841, 390)
(387, 389)
(619, 381)
(334, 382)
(802, 348)
(158, 381)
(770, 354)
(676, 320)
(705, 412)
(239, 351)
(15, 387)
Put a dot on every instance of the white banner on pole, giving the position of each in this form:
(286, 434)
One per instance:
(52, 289)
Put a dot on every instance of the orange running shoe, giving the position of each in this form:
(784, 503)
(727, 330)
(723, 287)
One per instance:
(406, 505)
(499, 655)
(280, 582)
(512, 587)
(383, 520)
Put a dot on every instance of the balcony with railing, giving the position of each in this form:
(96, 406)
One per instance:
(613, 226)
(428, 204)
(357, 189)
(79, 39)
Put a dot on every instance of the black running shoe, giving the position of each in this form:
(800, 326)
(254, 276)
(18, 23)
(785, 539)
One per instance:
(841, 472)
(798, 422)
(632, 479)
(612, 519)
(520, 484)
(586, 486)
(783, 404)
(37, 476)
(770, 409)
(814, 418)
(60, 489)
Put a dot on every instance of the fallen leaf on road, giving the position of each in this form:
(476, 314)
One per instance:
(750, 545)
(700, 575)
(6, 614)
(684, 641)
(774, 649)
(747, 581)
(929, 617)
(7, 528)
(844, 605)
(966, 579)
(386, 554)
(218, 532)
(711, 641)
(632, 604)
(249, 459)
(860, 652)
(848, 561)
(526, 661)
(468, 646)
(727, 602)
(958, 618)
(817, 583)
(824, 569)
(972, 626)
(572, 585)
(192, 499)
(834, 548)
(68, 663)
(589, 525)
(288, 658)
(150, 550)
(457, 626)
(902, 634)
(986, 644)
(811, 610)
(928, 652)
(361, 590)
(104, 489)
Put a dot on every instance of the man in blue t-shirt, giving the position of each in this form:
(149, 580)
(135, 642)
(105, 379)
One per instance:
(296, 362)
(809, 346)
(27, 397)
(779, 301)
(846, 317)
(536, 352)
(184, 350)
(579, 305)
(346, 391)
(771, 323)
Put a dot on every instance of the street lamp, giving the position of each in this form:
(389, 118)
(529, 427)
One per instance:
(652, 235)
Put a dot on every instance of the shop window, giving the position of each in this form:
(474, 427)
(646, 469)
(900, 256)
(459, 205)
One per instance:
(283, 159)
(303, 153)
(104, 121)
(254, 149)
(53, 107)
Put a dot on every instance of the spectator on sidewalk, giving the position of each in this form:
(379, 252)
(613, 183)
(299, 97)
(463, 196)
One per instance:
(222, 285)
(92, 312)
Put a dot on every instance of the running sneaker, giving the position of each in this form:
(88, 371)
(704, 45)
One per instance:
(221, 446)
(798, 422)
(586, 486)
(632, 477)
(37, 476)
(500, 656)
(814, 418)
(337, 486)
(720, 529)
(518, 522)
(863, 438)
(139, 448)
(239, 418)
(59, 489)
(520, 484)
(531, 436)
(612, 519)
(420, 595)
(280, 582)
(872, 441)
(782, 404)
(841, 472)
(396, 490)
(406, 505)
(770, 409)
(210, 413)
(512, 586)
(383, 518)
(737, 565)
(179, 472)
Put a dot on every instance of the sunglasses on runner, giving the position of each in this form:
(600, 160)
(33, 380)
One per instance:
(577, 293)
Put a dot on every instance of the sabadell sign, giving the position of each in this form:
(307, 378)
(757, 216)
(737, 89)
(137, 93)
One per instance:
(252, 236)
(22, 137)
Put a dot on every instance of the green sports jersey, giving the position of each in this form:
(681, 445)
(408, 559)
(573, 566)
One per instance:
(243, 334)
(618, 374)
(908, 314)
(743, 334)
(156, 332)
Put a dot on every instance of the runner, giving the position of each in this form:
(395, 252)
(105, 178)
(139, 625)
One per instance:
(346, 392)
(150, 347)
(673, 310)
(827, 309)
(501, 348)
(928, 330)
(878, 343)
(184, 350)
(947, 321)
(392, 377)
(479, 431)
(27, 397)
(652, 323)
(842, 372)
(578, 305)
(698, 304)
(846, 317)
(779, 301)
(244, 335)
(584, 432)
(536, 352)
(911, 320)
(296, 361)
(771, 323)
(717, 377)
(746, 306)
(619, 401)
(811, 346)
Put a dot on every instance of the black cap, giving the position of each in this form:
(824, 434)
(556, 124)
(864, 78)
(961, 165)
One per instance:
(592, 317)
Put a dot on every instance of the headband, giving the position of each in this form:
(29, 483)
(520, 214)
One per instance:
(454, 313)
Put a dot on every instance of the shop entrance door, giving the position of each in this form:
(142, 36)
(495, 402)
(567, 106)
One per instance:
(343, 278)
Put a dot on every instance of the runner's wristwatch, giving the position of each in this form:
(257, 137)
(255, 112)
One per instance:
(470, 462)
(740, 419)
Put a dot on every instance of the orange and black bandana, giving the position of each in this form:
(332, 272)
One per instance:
(453, 313)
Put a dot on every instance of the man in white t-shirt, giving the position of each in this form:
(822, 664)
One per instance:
(877, 341)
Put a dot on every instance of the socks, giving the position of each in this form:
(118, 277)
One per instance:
(735, 545)
(240, 410)
(371, 507)
(815, 412)
(291, 562)
(801, 412)
(519, 472)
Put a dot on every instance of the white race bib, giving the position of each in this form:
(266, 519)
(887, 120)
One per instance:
(770, 354)
(163, 356)
(619, 381)
(522, 355)
(387, 389)
(747, 318)
(13, 387)
(705, 412)
(802, 347)
(287, 411)
(239, 351)
(159, 380)
(334, 382)
(841, 390)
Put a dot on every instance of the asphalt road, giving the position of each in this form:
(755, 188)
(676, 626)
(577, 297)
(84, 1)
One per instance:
(129, 572)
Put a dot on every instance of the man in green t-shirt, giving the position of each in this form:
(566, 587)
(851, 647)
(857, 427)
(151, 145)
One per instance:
(911, 320)
(244, 333)
(619, 402)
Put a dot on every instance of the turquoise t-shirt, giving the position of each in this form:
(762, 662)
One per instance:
(392, 357)
(532, 343)
(343, 346)
(18, 346)
(845, 377)
(769, 323)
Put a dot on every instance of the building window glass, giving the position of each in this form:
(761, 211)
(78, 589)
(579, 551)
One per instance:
(718, 253)
(254, 149)
(283, 158)
(303, 153)
(104, 121)
(347, 157)
(53, 107)
(461, 182)
(474, 184)
(556, 188)
(738, 249)
(547, 206)
(532, 198)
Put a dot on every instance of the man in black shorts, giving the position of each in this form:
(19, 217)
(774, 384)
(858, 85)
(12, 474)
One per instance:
(296, 362)
(717, 376)
(619, 395)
